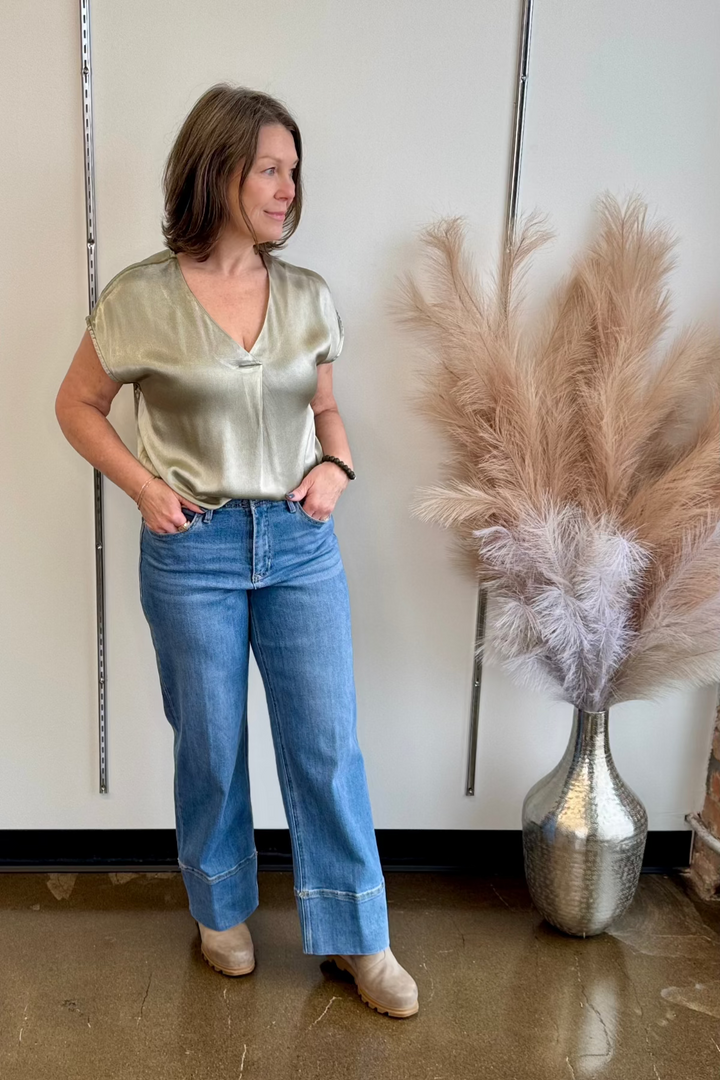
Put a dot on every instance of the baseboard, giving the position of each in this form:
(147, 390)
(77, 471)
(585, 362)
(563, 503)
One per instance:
(470, 851)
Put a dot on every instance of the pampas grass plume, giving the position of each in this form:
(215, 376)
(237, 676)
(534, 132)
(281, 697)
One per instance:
(583, 479)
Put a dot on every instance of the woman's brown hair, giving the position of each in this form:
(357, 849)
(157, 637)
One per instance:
(220, 130)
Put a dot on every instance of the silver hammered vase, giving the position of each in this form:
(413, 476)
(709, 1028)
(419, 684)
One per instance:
(584, 834)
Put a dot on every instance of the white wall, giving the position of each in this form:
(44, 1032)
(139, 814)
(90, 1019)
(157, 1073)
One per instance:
(405, 111)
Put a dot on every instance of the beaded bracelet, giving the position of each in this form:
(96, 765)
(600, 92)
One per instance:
(343, 466)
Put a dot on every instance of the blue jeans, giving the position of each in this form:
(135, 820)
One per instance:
(263, 573)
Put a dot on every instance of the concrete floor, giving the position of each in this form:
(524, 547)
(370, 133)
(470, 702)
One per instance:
(101, 977)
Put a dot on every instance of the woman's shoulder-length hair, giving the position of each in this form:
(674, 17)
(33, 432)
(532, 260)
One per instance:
(220, 130)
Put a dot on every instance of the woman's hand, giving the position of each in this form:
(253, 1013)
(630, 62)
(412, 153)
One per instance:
(162, 507)
(322, 486)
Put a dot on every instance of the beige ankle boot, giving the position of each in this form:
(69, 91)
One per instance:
(228, 951)
(382, 983)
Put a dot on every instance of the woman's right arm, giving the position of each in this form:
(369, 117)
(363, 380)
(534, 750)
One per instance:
(82, 406)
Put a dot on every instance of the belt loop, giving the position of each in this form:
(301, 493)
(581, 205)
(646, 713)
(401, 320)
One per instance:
(207, 516)
(292, 506)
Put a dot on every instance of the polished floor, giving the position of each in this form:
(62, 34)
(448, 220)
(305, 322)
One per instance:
(101, 977)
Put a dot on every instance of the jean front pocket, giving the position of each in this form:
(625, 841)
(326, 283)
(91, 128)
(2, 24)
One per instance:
(196, 516)
(306, 516)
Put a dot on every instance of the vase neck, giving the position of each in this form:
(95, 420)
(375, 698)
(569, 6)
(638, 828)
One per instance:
(590, 732)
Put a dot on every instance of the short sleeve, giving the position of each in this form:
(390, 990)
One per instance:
(336, 331)
(90, 322)
(115, 325)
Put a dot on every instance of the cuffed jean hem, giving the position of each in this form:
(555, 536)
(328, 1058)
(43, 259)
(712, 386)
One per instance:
(342, 922)
(224, 900)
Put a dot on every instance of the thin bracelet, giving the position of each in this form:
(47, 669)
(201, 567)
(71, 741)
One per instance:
(143, 488)
(337, 461)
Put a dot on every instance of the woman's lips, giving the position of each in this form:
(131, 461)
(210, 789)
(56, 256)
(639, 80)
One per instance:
(279, 216)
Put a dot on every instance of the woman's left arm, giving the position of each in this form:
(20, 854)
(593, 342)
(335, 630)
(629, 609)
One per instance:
(324, 484)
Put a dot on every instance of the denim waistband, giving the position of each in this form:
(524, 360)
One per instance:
(245, 504)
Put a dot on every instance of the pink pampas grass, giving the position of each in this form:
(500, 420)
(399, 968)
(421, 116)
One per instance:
(583, 479)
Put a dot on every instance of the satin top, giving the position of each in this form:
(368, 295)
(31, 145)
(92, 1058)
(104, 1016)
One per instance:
(215, 421)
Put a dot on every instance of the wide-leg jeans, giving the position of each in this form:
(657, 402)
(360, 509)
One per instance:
(262, 573)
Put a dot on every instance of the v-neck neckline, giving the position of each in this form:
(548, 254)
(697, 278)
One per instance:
(267, 262)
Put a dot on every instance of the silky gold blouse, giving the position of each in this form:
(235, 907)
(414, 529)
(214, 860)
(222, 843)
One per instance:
(215, 421)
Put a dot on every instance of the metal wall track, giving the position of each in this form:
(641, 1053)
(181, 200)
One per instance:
(89, 171)
(510, 219)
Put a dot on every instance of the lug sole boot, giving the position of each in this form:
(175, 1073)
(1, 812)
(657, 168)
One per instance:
(230, 952)
(381, 982)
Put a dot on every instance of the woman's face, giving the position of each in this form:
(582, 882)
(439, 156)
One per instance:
(269, 187)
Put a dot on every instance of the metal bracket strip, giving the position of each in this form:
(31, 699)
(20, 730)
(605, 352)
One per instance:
(89, 171)
(510, 219)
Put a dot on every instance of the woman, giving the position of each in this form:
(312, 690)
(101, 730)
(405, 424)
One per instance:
(242, 456)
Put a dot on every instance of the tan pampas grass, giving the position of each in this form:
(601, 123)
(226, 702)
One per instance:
(583, 476)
